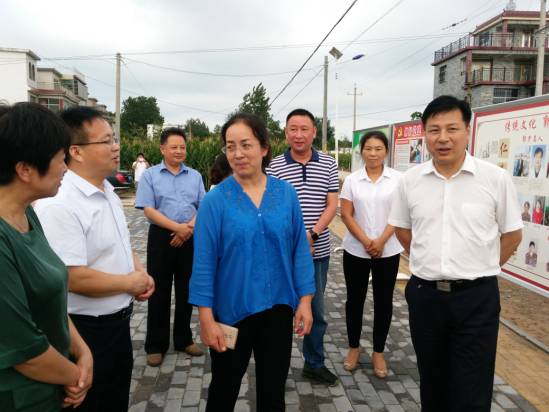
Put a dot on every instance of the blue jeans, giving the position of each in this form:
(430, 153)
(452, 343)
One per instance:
(313, 344)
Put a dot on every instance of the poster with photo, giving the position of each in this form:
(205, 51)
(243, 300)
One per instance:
(516, 138)
(408, 145)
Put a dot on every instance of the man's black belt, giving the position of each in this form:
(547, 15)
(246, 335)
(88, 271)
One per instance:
(124, 313)
(453, 285)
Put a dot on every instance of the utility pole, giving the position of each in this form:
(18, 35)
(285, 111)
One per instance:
(117, 99)
(541, 48)
(325, 111)
(355, 94)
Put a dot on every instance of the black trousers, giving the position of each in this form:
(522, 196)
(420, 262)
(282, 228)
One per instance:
(111, 346)
(168, 265)
(357, 273)
(269, 335)
(455, 337)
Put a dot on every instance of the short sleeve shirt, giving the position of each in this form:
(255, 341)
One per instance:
(176, 196)
(312, 182)
(87, 227)
(371, 203)
(456, 223)
(33, 306)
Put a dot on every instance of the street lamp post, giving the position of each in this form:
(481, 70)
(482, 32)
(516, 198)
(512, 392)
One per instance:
(336, 55)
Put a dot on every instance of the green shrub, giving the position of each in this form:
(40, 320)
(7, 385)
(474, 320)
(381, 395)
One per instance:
(200, 153)
(344, 161)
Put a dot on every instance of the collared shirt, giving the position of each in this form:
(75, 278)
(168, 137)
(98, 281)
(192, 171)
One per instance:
(87, 227)
(248, 259)
(312, 182)
(456, 223)
(372, 204)
(175, 196)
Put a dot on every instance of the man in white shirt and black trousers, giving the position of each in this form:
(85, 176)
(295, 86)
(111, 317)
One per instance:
(85, 225)
(459, 219)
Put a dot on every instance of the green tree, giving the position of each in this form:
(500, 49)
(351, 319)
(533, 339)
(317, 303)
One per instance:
(217, 130)
(317, 143)
(257, 102)
(197, 128)
(345, 143)
(137, 113)
(416, 115)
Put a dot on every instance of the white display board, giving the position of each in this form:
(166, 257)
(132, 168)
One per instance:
(516, 138)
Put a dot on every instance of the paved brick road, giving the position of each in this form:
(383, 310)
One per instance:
(181, 383)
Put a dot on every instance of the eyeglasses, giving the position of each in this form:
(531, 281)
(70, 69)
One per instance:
(232, 148)
(109, 142)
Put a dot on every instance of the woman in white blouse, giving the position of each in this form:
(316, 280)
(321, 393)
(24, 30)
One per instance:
(370, 244)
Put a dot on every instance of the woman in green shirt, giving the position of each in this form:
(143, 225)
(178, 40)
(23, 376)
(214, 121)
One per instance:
(44, 363)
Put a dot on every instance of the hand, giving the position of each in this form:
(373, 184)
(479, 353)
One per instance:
(303, 318)
(311, 243)
(75, 394)
(147, 294)
(184, 231)
(367, 243)
(212, 335)
(376, 248)
(176, 241)
(138, 282)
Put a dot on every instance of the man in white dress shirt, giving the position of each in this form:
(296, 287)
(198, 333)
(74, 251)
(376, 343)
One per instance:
(85, 225)
(459, 219)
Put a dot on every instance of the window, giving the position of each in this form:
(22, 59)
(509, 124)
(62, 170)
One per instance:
(53, 104)
(32, 71)
(503, 94)
(442, 74)
(463, 66)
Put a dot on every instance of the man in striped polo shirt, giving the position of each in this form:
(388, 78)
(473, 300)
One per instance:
(314, 177)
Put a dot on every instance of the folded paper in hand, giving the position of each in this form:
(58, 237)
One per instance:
(230, 333)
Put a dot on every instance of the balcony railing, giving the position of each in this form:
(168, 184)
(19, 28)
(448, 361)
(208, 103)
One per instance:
(503, 75)
(488, 40)
(57, 87)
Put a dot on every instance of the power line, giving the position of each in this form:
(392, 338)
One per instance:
(299, 92)
(313, 53)
(386, 111)
(132, 92)
(241, 49)
(374, 23)
(157, 66)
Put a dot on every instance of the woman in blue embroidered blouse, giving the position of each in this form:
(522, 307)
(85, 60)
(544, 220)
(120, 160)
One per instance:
(252, 269)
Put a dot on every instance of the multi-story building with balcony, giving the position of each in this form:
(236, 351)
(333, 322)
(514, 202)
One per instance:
(495, 63)
(50, 91)
(21, 80)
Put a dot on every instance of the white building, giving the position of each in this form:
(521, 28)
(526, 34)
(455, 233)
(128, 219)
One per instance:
(22, 81)
(18, 75)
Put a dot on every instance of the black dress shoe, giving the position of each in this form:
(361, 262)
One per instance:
(321, 374)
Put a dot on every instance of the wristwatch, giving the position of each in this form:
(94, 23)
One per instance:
(314, 235)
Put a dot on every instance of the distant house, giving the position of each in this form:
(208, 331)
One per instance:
(495, 63)
(18, 75)
(22, 81)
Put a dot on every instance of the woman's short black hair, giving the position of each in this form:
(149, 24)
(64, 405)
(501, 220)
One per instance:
(375, 134)
(531, 244)
(169, 131)
(258, 128)
(444, 104)
(220, 169)
(32, 134)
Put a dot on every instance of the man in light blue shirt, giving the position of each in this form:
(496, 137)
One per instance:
(169, 194)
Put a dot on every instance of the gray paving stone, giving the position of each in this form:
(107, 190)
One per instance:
(181, 383)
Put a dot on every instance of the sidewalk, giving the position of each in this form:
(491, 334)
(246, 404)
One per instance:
(181, 383)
